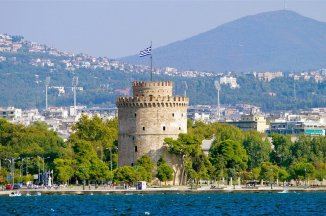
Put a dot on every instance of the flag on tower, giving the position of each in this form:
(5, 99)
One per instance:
(146, 52)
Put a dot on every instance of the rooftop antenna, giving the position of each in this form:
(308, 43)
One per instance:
(185, 88)
(47, 82)
(75, 84)
(218, 88)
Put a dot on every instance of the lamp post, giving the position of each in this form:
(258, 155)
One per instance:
(305, 178)
(110, 149)
(101, 149)
(271, 178)
(12, 169)
(22, 165)
(38, 164)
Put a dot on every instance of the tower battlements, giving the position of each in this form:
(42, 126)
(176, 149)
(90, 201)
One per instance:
(143, 99)
(156, 89)
(152, 84)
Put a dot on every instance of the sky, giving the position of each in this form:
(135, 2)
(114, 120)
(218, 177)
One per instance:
(115, 28)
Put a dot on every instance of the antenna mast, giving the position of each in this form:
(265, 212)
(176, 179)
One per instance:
(185, 86)
(47, 82)
(218, 88)
(75, 84)
(294, 91)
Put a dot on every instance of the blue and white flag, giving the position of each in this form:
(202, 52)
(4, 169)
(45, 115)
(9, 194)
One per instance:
(146, 52)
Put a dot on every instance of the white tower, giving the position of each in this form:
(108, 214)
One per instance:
(218, 88)
(47, 82)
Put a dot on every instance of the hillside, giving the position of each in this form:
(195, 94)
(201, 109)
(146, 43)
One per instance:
(279, 40)
(24, 66)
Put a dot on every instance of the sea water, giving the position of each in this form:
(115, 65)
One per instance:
(299, 203)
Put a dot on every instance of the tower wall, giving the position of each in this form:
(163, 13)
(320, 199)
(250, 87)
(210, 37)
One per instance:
(146, 119)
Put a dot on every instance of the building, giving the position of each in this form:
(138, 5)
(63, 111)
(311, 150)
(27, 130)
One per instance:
(268, 76)
(146, 119)
(231, 81)
(251, 122)
(10, 113)
(297, 127)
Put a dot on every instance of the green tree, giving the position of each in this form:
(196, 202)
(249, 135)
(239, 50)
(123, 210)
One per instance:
(320, 173)
(147, 163)
(188, 148)
(258, 148)
(281, 155)
(102, 134)
(64, 169)
(269, 171)
(125, 174)
(301, 171)
(164, 172)
(230, 155)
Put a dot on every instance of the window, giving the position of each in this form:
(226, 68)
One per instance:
(133, 138)
(172, 114)
(135, 114)
(164, 128)
(181, 114)
(179, 128)
(135, 148)
(143, 128)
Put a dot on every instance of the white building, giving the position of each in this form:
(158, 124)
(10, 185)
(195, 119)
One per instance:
(228, 80)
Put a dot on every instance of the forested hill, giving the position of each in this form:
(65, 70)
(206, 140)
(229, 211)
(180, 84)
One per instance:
(279, 40)
(25, 65)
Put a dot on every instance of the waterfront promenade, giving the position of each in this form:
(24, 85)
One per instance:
(158, 190)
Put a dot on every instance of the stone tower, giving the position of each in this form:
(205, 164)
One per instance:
(147, 118)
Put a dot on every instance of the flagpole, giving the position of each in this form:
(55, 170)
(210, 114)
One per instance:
(151, 64)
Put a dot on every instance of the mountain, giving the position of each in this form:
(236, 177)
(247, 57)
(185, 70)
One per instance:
(279, 40)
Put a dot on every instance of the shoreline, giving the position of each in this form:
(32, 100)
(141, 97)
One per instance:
(171, 190)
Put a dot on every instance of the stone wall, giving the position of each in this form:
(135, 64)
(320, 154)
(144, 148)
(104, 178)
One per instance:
(146, 119)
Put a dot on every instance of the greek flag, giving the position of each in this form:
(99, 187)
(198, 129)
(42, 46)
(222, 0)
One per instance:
(146, 52)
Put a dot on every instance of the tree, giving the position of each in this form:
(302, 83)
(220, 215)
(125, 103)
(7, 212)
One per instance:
(281, 155)
(142, 174)
(229, 155)
(147, 163)
(258, 148)
(125, 174)
(64, 169)
(164, 172)
(101, 134)
(188, 148)
(269, 171)
(320, 173)
(301, 171)
(89, 166)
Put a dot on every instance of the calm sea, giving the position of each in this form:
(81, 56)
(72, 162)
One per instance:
(168, 204)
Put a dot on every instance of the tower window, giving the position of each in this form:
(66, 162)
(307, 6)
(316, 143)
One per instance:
(143, 128)
(172, 114)
(133, 138)
(135, 148)
(164, 128)
(135, 114)
(181, 114)
(179, 128)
